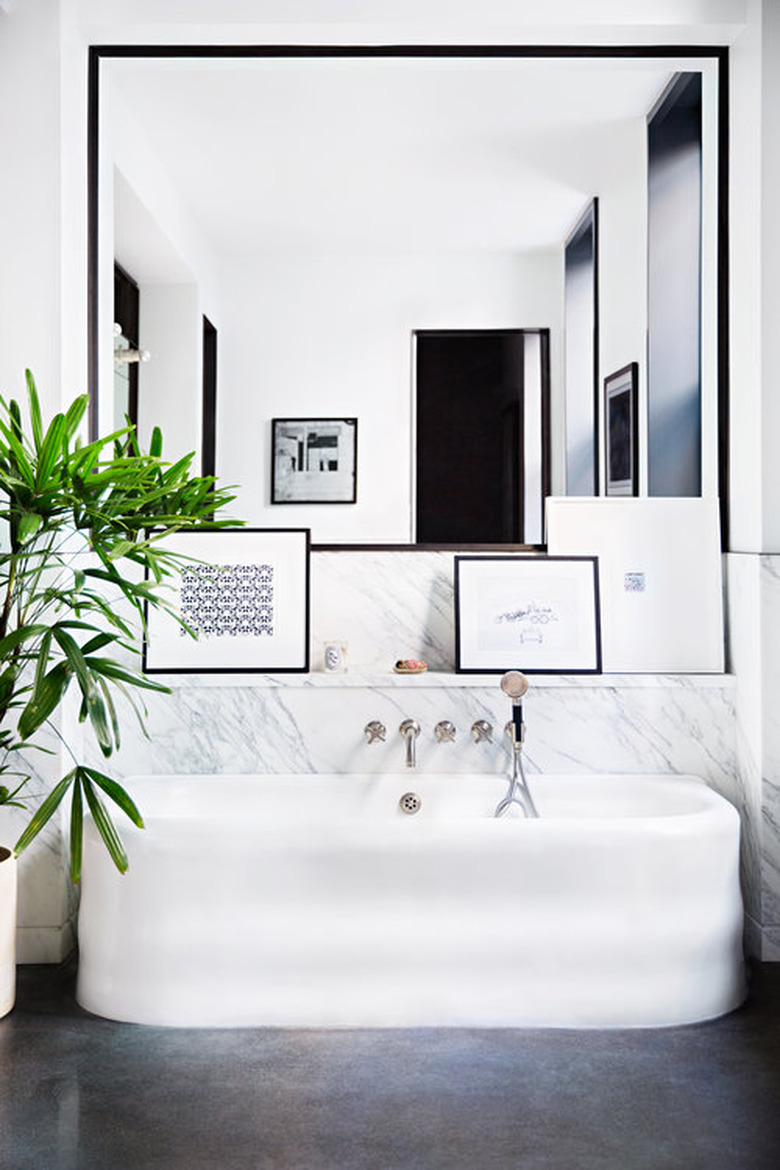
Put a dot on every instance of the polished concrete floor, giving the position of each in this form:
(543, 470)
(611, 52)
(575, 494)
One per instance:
(84, 1093)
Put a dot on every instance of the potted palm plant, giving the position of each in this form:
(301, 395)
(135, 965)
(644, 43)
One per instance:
(81, 555)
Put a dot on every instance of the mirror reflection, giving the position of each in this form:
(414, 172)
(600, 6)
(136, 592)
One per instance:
(324, 212)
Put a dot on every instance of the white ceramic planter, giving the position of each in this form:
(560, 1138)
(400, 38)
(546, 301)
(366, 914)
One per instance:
(7, 930)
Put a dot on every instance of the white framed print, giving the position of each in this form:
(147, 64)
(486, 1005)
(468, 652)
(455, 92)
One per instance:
(537, 614)
(244, 594)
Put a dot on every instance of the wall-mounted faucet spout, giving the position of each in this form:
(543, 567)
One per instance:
(410, 729)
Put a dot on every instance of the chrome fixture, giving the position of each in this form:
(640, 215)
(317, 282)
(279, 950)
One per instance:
(125, 356)
(410, 729)
(482, 731)
(375, 732)
(122, 351)
(410, 803)
(444, 731)
(515, 685)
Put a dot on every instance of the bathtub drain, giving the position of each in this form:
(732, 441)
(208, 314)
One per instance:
(410, 803)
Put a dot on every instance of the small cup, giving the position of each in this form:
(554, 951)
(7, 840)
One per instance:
(335, 657)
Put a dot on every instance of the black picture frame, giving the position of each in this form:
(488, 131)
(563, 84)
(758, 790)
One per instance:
(245, 592)
(538, 614)
(621, 431)
(314, 460)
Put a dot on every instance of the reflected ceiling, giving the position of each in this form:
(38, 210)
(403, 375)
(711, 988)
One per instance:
(366, 155)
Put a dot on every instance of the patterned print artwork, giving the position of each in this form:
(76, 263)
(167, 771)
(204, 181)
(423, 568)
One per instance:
(228, 600)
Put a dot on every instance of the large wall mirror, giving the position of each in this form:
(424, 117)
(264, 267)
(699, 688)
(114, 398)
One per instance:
(325, 207)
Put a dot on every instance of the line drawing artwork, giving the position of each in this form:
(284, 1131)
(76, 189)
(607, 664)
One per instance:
(529, 620)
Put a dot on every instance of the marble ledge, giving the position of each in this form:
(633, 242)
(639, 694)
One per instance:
(434, 678)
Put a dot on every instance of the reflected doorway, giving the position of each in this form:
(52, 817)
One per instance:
(482, 435)
(126, 315)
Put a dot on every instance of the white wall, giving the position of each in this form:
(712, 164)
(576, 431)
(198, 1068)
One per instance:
(332, 336)
(169, 384)
(30, 304)
(146, 226)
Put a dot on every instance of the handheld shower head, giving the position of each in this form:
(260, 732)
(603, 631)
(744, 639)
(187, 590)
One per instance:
(514, 684)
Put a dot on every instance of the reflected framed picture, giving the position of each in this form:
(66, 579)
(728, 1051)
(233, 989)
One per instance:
(244, 594)
(538, 614)
(621, 438)
(314, 461)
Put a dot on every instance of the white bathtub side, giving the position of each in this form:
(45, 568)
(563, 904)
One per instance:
(399, 922)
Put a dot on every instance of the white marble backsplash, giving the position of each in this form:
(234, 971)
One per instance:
(385, 605)
(753, 622)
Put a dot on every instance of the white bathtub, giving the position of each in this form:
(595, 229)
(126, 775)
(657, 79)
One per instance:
(313, 900)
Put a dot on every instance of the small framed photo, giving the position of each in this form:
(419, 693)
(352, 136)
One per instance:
(538, 614)
(314, 461)
(245, 593)
(622, 431)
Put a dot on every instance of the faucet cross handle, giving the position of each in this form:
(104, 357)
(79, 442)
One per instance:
(445, 731)
(482, 730)
(375, 731)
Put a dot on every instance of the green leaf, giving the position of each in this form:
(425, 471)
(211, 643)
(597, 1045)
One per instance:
(29, 524)
(45, 812)
(43, 660)
(74, 414)
(16, 637)
(35, 410)
(120, 549)
(156, 443)
(118, 794)
(110, 669)
(98, 642)
(72, 652)
(104, 825)
(50, 451)
(45, 698)
(76, 831)
(109, 702)
(96, 709)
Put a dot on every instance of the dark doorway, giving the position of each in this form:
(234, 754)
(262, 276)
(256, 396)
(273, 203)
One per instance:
(209, 418)
(126, 314)
(482, 440)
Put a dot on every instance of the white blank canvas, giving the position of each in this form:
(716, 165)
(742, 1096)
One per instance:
(660, 578)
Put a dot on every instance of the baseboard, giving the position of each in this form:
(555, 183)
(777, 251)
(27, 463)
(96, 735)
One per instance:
(44, 944)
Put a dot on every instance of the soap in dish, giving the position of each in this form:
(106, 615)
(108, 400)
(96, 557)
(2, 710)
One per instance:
(410, 666)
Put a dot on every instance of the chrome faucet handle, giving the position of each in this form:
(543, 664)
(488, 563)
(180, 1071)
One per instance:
(375, 732)
(481, 731)
(444, 731)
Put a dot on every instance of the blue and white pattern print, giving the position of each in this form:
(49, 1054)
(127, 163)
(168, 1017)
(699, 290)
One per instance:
(228, 600)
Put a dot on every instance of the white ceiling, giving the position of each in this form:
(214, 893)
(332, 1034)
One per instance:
(384, 155)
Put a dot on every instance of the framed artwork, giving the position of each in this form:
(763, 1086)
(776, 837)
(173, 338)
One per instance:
(245, 593)
(314, 461)
(538, 614)
(621, 439)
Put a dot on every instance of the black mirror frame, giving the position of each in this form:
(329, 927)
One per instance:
(718, 53)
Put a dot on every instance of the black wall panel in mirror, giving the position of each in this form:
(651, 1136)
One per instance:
(674, 290)
(581, 354)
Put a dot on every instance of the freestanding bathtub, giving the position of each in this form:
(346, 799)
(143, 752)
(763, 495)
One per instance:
(315, 900)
